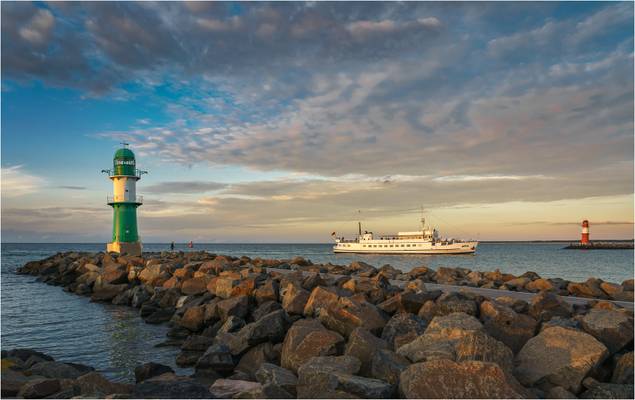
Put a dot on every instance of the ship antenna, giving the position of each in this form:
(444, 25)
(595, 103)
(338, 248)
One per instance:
(359, 224)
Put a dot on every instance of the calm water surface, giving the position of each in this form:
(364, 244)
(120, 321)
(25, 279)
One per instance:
(114, 339)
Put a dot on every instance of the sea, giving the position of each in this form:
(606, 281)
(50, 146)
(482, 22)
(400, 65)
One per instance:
(114, 340)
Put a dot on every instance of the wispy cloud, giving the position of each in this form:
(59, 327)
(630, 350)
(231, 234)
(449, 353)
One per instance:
(184, 187)
(17, 182)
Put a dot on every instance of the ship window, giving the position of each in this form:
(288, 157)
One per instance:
(364, 246)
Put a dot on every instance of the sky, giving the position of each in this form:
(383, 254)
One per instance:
(284, 122)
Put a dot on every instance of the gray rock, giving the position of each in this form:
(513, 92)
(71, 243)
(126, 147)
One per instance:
(168, 386)
(265, 308)
(232, 388)
(363, 345)
(402, 329)
(504, 324)
(59, 370)
(217, 357)
(451, 380)
(274, 376)
(308, 338)
(613, 328)
(197, 343)
(270, 328)
(609, 391)
(560, 357)
(623, 372)
(39, 388)
(149, 370)
(387, 366)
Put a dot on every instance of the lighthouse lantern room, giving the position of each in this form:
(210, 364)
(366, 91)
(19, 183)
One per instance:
(124, 202)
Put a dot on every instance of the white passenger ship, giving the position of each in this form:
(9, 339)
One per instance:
(426, 241)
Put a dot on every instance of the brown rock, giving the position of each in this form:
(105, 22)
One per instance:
(547, 304)
(230, 388)
(504, 324)
(268, 291)
(387, 366)
(628, 285)
(294, 299)
(402, 328)
(39, 388)
(590, 288)
(348, 314)
(559, 356)
(224, 286)
(448, 379)
(194, 286)
(115, 274)
(319, 298)
(623, 372)
(237, 306)
(613, 328)
(308, 338)
(95, 385)
(363, 345)
(611, 289)
(539, 285)
(193, 318)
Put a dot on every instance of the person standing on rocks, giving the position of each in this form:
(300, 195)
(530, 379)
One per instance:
(172, 246)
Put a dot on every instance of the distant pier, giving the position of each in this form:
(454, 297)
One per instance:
(601, 246)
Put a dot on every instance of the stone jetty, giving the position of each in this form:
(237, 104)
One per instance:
(259, 328)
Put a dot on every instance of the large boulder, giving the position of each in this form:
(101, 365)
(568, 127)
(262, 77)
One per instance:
(270, 328)
(95, 385)
(363, 345)
(387, 366)
(402, 329)
(193, 318)
(115, 274)
(623, 371)
(149, 370)
(237, 306)
(308, 338)
(320, 298)
(591, 289)
(233, 388)
(170, 386)
(59, 370)
(195, 286)
(255, 357)
(504, 324)
(559, 356)
(451, 380)
(39, 388)
(273, 375)
(268, 291)
(217, 357)
(609, 391)
(439, 338)
(547, 305)
(452, 302)
(154, 275)
(348, 314)
(539, 285)
(294, 299)
(613, 328)
(333, 377)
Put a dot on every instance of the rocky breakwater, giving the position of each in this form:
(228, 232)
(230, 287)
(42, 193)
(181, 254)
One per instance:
(255, 328)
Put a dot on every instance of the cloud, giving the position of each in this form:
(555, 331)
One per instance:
(183, 187)
(17, 182)
(68, 187)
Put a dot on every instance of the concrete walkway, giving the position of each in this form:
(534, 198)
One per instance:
(490, 293)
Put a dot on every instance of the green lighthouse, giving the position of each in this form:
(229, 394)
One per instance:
(124, 202)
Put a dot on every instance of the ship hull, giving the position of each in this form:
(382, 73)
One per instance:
(453, 248)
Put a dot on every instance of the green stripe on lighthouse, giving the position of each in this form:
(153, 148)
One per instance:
(124, 223)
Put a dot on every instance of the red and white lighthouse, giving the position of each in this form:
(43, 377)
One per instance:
(585, 232)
